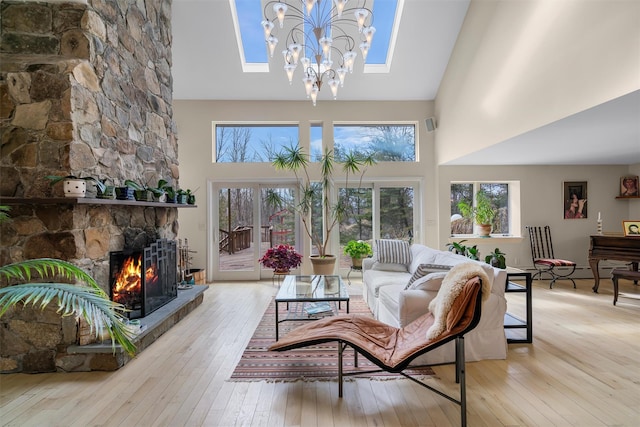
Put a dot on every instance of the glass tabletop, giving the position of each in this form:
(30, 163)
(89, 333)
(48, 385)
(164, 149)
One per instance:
(312, 288)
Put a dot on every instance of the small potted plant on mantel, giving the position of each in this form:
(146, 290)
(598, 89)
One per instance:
(357, 249)
(74, 186)
(281, 258)
(141, 193)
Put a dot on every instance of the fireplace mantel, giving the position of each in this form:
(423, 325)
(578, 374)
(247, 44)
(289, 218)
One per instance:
(86, 201)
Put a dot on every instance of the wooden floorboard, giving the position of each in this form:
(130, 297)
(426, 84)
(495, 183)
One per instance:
(581, 370)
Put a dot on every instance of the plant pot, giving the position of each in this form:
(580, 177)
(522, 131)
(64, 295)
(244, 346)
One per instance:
(323, 265)
(173, 199)
(124, 193)
(495, 262)
(74, 188)
(108, 193)
(160, 198)
(483, 230)
(143, 195)
(356, 262)
(191, 200)
(182, 199)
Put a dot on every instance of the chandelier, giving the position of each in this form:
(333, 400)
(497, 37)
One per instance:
(323, 38)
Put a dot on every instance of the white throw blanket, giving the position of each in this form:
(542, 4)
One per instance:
(451, 287)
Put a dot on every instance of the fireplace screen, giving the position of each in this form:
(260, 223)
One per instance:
(144, 281)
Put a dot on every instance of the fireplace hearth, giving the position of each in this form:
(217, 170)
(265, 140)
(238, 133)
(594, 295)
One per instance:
(144, 280)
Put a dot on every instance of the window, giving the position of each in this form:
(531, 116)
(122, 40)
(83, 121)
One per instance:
(388, 143)
(504, 197)
(252, 143)
(383, 210)
(316, 149)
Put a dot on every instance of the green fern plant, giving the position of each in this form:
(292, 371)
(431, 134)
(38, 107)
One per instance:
(89, 302)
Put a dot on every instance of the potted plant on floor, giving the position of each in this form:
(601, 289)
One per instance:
(357, 249)
(482, 213)
(281, 258)
(496, 259)
(459, 248)
(294, 159)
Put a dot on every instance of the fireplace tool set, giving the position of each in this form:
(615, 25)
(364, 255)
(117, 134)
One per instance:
(185, 274)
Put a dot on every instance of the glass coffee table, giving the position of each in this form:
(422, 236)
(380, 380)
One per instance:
(311, 297)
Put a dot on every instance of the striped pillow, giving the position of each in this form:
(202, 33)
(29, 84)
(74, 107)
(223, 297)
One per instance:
(388, 251)
(424, 269)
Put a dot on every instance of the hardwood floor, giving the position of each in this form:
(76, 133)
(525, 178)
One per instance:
(581, 370)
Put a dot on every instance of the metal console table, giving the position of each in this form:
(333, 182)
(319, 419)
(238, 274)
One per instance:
(512, 322)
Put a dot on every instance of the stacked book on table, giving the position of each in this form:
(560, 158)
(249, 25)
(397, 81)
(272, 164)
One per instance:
(318, 309)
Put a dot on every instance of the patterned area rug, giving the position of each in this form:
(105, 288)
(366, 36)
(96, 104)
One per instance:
(310, 363)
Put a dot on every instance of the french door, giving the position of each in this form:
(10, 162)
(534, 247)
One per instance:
(244, 225)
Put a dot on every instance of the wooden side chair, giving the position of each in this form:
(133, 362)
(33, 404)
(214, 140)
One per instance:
(393, 349)
(544, 259)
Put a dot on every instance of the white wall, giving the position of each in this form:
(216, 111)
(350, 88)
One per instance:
(519, 65)
(541, 189)
(194, 121)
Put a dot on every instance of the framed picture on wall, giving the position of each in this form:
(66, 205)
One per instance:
(629, 186)
(575, 199)
(631, 228)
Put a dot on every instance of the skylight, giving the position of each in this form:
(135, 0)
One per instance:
(247, 15)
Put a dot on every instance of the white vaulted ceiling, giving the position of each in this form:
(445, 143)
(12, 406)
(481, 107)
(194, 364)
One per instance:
(207, 65)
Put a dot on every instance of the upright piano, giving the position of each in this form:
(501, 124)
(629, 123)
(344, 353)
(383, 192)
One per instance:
(618, 248)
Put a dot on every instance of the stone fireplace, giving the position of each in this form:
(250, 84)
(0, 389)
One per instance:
(85, 90)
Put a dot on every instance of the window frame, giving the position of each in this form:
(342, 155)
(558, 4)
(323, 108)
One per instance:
(513, 204)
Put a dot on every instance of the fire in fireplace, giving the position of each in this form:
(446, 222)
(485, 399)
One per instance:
(144, 280)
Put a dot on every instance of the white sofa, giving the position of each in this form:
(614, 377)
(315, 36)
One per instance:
(385, 291)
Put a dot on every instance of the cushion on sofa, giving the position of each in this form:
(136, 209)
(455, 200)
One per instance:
(421, 254)
(430, 282)
(424, 269)
(391, 251)
(398, 268)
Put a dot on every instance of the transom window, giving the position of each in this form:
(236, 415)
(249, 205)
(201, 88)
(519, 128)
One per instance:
(252, 143)
(387, 142)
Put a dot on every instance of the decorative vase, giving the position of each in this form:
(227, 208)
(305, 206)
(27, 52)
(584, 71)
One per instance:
(75, 188)
(323, 266)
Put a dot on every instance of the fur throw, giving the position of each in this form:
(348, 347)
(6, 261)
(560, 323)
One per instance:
(451, 287)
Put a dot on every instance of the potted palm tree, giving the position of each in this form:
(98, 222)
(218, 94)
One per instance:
(295, 160)
(482, 213)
